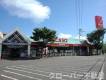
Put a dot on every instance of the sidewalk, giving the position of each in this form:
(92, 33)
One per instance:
(96, 71)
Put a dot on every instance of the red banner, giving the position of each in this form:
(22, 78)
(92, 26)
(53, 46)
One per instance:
(99, 22)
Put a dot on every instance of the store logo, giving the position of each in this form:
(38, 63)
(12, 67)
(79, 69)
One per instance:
(61, 40)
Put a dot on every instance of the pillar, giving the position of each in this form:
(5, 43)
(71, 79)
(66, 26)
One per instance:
(80, 51)
(73, 51)
(88, 51)
(29, 50)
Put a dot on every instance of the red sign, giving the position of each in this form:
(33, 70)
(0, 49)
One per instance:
(99, 22)
(61, 40)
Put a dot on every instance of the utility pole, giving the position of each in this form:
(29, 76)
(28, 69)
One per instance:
(80, 30)
(80, 33)
(79, 40)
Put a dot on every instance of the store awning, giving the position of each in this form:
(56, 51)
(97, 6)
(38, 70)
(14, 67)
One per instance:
(62, 45)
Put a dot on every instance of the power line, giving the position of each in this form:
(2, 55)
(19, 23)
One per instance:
(79, 14)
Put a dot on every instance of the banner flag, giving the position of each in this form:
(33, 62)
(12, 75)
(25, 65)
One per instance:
(99, 22)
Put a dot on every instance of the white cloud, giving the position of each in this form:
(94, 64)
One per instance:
(62, 35)
(81, 37)
(28, 9)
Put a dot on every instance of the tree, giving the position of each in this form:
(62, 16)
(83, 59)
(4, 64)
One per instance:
(96, 38)
(43, 34)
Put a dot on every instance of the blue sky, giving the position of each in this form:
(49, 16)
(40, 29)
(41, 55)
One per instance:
(60, 15)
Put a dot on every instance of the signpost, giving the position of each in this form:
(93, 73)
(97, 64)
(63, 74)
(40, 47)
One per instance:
(99, 22)
(99, 26)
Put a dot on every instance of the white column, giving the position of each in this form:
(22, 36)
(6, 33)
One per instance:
(29, 50)
(88, 50)
(0, 50)
(73, 52)
(80, 51)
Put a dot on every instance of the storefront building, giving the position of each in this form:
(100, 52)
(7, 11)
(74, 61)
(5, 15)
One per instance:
(17, 45)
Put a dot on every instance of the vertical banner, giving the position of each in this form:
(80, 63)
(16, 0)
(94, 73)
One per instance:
(99, 22)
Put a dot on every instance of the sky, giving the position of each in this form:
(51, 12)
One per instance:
(64, 16)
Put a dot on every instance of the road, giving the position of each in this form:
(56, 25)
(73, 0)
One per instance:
(53, 68)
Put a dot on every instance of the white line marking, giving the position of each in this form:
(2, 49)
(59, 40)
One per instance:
(31, 69)
(9, 77)
(21, 75)
(101, 75)
(72, 70)
(40, 70)
(27, 72)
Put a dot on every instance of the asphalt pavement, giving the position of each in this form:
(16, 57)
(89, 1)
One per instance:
(54, 68)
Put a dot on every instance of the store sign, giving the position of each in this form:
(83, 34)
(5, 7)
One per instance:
(99, 22)
(14, 46)
(61, 40)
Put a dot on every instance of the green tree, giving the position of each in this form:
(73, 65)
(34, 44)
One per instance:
(96, 38)
(43, 34)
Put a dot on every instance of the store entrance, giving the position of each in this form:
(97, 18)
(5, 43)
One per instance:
(14, 53)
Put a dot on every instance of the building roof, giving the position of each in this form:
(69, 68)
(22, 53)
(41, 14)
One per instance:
(68, 42)
(74, 41)
(12, 32)
(59, 41)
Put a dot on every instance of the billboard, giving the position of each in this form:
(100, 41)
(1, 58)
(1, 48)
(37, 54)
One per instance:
(99, 22)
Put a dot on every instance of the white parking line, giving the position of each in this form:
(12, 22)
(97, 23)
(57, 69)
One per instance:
(31, 69)
(21, 75)
(26, 68)
(73, 70)
(101, 74)
(27, 72)
(9, 77)
(24, 75)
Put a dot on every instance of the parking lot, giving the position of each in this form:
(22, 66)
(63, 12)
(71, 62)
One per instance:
(53, 68)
